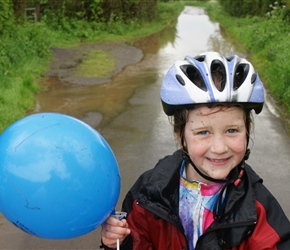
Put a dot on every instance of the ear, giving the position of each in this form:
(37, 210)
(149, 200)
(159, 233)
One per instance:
(181, 141)
(184, 144)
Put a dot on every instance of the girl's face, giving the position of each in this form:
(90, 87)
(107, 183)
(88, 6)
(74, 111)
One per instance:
(216, 140)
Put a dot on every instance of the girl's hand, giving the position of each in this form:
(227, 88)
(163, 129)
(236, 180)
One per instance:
(114, 229)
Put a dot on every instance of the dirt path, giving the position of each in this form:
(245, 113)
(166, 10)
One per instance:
(66, 60)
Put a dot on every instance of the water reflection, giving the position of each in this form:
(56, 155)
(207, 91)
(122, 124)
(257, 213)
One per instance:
(152, 44)
(216, 43)
(194, 30)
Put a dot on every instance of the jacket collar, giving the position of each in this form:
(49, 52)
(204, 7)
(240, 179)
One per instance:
(160, 191)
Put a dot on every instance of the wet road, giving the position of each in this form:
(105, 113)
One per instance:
(141, 133)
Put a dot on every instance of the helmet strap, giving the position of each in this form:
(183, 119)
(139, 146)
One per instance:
(187, 159)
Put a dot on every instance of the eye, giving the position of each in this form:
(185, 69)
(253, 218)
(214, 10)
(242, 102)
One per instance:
(205, 132)
(232, 130)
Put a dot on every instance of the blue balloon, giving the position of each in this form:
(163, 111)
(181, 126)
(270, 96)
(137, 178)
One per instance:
(59, 178)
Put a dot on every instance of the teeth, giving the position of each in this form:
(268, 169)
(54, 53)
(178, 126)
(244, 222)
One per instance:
(217, 160)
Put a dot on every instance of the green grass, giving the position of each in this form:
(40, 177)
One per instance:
(97, 63)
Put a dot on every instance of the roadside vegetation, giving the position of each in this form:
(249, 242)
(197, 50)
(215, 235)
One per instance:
(25, 45)
(265, 35)
(26, 40)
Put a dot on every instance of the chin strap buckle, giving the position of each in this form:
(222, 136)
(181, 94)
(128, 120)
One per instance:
(238, 180)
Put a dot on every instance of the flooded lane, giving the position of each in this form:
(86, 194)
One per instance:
(98, 102)
(127, 111)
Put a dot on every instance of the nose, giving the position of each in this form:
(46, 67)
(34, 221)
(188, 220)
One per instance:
(219, 145)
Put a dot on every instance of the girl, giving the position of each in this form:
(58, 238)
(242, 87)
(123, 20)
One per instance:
(204, 196)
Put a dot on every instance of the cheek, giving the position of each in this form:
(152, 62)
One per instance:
(197, 148)
(239, 145)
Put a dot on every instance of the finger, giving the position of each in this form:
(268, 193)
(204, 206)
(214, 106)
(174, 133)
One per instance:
(117, 229)
(112, 221)
(110, 239)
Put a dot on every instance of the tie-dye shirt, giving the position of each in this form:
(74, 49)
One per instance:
(195, 206)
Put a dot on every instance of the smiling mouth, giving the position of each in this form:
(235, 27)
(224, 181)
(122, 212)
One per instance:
(218, 161)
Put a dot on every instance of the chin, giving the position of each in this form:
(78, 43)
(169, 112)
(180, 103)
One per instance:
(220, 176)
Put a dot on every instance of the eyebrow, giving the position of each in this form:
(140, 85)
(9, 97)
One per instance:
(200, 128)
(226, 126)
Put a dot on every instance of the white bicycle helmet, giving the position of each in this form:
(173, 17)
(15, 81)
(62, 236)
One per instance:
(211, 78)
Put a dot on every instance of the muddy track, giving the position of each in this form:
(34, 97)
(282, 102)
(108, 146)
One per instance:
(66, 60)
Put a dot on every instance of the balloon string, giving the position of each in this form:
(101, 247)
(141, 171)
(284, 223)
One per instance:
(118, 244)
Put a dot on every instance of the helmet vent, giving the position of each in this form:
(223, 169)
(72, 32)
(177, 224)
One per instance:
(218, 74)
(180, 79)
(194, 76)
(254, 77)
(230, 58)
(240, 75)
(200, 58)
